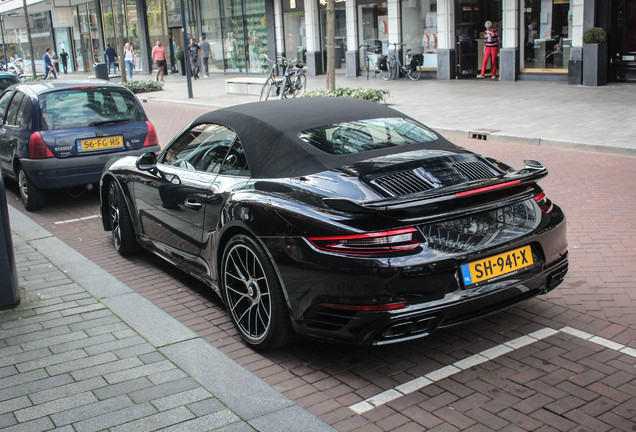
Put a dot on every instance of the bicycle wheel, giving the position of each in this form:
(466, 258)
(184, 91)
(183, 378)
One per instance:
(386, 74)
(300, 84)
(266, 91)
(393, 68)
(414, 74)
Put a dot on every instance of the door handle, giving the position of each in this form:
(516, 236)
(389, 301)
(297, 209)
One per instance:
(193, 204)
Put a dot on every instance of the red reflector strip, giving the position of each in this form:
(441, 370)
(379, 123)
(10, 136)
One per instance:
(365, 308)
(368, 235)
(488, 188)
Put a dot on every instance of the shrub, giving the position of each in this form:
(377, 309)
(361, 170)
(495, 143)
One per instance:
(143, 86)
(594, 35)
(375, 95)
(179, 55)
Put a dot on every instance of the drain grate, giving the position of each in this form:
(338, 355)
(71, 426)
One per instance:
(479, 136)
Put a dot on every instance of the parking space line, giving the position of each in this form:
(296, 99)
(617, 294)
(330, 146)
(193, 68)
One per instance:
(476, 359)
(76, 220)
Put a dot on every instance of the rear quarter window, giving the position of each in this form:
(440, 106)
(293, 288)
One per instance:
(83, 107)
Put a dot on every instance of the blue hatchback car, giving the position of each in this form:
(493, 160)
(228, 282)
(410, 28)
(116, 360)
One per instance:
(60, 134)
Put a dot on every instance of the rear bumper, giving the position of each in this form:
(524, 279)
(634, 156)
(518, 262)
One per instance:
(55, 173)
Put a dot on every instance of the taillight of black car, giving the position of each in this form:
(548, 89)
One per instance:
(38, 148)
(544, 203)
(399, 240)
(151, 136)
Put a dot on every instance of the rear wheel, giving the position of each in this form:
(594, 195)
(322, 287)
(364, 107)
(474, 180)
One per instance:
(300, 84)
(386, 74)
(32, 197)
(253, 295)
(120, 222)
(414, 74)
(267, 89)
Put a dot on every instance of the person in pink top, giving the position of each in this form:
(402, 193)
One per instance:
(159, 56)
(491, 50)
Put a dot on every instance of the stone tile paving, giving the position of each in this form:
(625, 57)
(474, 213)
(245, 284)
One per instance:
(559, 383)
(67, 360)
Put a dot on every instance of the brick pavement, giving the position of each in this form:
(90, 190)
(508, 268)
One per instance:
(83, 352)
(559, 383)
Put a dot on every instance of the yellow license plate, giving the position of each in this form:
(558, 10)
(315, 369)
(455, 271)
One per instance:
(95, 144)
(493, 267)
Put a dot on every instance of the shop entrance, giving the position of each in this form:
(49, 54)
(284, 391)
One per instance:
(622, 41)
(175, 42)
(469, 30)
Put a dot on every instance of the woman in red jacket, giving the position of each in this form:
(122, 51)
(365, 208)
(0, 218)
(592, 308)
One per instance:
(491, 49)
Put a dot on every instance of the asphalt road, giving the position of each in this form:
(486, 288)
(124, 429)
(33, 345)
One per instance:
(563, 362)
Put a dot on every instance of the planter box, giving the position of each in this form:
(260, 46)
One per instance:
(595, 64)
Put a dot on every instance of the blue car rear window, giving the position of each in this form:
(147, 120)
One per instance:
(92, 106)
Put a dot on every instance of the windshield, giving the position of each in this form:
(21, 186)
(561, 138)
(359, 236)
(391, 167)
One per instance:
(363, 135)
(91, 106)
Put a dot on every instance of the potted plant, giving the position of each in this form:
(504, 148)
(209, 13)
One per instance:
(594, 57)
(180, 56)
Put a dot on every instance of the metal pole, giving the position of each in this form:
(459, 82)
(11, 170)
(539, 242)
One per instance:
(4, 47)
(185, 52)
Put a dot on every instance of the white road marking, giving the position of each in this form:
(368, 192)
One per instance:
(76, 220)
(476, 359)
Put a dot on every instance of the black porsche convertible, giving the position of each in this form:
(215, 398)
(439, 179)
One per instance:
(339, 219)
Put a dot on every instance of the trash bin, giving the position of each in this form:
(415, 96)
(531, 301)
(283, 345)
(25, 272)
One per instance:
(101, 71)
(9, 289)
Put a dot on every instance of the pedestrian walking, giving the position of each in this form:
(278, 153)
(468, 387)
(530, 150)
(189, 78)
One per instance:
(129, 59)
(48, 64)
(56, 61)
(64, 60)
(194, 52)
(111, 56)
(204, 46)
(159, 56)
(491, 50)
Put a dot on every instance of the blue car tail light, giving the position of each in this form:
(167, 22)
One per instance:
(151, 136)
(38, 148)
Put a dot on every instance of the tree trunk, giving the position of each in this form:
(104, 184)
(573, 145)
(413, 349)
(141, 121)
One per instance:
(122, 67)
(331, 45)
(28, 28)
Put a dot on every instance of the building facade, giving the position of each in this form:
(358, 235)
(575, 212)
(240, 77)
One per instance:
(539, 39)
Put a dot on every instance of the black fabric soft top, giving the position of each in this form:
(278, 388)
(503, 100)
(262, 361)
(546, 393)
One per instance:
(269, 133)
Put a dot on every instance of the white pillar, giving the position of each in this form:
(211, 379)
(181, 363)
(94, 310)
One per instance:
(312, 26)
(446, 24)
(278, 27)
(395, 30)
(510, 24)
(577, 10)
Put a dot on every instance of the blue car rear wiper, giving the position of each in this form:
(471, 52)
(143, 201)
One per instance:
(105, 122)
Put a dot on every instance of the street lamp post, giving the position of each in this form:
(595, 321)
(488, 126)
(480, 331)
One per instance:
(4, 47)
(28, 28)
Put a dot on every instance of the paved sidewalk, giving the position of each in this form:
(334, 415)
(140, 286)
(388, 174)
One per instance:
(85, 352)
(537, 113)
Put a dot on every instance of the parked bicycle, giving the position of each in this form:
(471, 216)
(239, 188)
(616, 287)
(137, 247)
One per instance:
(392, 68)
(292, 83)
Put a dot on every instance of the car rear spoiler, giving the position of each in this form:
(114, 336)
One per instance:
(446, 201)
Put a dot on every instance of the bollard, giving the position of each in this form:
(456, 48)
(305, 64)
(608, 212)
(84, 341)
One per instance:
(9, 289)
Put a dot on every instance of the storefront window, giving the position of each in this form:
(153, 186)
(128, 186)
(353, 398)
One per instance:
(340, 18)
(158, 25)
(545, 30)
(419, 26)
(373, 31)
(211, 29)
(294, 30)
(256, 31)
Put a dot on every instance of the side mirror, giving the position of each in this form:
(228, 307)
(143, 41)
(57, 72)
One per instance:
(147, 162)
